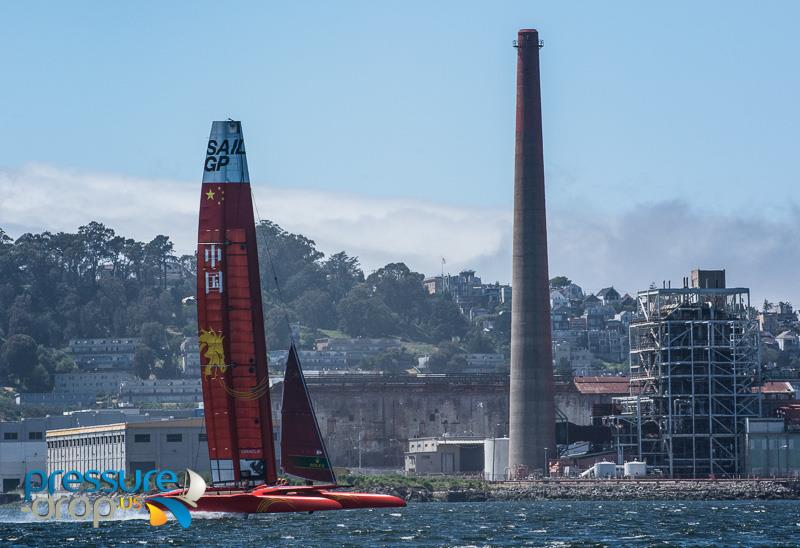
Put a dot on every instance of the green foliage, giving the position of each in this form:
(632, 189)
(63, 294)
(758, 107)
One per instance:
(144, 362)
(478, 342)
(19, 356)
(448, 358)
(92, 283)
(26, 365)
(394, 362)
(363, 313)
(445, 321)
(560, 281)
(316, 308)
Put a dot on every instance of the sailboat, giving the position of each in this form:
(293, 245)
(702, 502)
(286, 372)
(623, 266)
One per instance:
(233, 356)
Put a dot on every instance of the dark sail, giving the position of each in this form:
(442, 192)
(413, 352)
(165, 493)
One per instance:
(303, 452)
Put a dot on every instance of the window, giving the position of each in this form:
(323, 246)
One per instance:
(174, 437)
(35, 436)
(202, 437)
(141, 438)
(9, 484)
(10, 435)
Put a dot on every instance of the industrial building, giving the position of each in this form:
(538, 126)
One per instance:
(167, 445)
(445, 455)
(23, 446)
(771, 450)
(694, 366)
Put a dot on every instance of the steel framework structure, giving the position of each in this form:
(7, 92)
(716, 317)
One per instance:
(694, 361)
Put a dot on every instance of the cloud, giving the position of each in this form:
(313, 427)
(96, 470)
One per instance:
(647, 243)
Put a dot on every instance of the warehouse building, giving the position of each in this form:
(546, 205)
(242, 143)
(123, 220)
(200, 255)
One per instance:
(167, 445)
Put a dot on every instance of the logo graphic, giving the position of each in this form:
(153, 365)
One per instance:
(177, 505)
(214, 352)
(96, 496)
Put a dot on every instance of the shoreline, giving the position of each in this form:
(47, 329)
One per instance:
(439, 490)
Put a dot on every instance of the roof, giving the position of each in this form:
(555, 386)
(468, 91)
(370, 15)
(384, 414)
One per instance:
(775, 387)
(786, 335)
(122, 426)
(85, 430)
(602, 385)
(607, 290)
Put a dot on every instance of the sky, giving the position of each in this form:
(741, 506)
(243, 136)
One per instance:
(387, 128)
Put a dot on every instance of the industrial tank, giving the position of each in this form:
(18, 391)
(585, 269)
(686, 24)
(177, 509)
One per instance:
(635, 469)
(605, 469)
(495, 459)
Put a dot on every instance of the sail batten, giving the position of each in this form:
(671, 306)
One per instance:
(230, 318)
(303, 451)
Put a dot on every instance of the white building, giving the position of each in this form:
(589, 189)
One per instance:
(22, 443)
(98, 383)
(443, 455)
(165, 445)
(138, 391)
(109, 354)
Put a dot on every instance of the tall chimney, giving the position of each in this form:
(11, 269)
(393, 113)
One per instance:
(532, 401)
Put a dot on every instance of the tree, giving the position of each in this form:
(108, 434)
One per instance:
(166, 368)
(342, 274)
(394, 362)
(277, 325)
(364, 314)
(478, 342)
(144, 362)
(445, 320)
(20, 356)
(401, 289)
(96, 238)
(38, 379)
(315, 309)
(154, 336)
(560, 281)
(448, 358)
(283, 255)
(158, 252)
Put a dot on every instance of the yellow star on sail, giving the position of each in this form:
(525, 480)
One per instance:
(210, 194)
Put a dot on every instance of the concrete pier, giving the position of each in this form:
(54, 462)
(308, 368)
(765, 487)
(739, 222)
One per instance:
(531, 406)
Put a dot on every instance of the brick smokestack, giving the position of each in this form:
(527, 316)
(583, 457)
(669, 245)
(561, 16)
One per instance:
(532, 401)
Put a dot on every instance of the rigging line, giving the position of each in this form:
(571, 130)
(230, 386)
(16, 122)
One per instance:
(272, 267)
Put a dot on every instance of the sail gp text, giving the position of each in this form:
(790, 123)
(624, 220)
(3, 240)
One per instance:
(91, 496)
(218, 154)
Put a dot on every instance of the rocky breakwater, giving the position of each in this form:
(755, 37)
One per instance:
(648, 490)
(463, 490)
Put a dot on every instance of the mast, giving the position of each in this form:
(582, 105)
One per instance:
(233, 349)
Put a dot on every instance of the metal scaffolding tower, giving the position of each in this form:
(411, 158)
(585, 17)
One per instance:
(694, 361)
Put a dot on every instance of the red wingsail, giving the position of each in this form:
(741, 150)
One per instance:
(233, 349)
(303, 451)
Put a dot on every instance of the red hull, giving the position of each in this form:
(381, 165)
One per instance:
(287, 498)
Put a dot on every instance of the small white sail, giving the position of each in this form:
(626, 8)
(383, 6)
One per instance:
(197, 488)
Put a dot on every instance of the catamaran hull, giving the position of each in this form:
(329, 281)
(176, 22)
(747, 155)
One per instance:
(264, 504)
(364, 500)
(288, 499)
